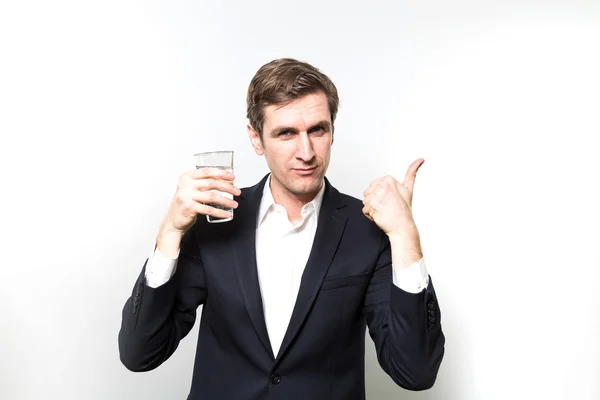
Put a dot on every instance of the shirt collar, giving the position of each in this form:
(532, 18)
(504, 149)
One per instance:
(267, 201)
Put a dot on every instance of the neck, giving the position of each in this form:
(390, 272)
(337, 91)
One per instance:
(292, 203)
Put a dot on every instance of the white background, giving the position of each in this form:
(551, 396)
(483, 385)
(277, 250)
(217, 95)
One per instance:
(102, 105)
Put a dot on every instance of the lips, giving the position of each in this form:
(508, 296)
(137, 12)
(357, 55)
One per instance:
(305, 171)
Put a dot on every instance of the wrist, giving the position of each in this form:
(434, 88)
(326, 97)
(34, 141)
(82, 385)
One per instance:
(405, 259)
(407, 236)
(168, 241)
(406, 249)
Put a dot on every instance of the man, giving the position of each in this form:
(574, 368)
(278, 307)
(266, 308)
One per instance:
(290, 284)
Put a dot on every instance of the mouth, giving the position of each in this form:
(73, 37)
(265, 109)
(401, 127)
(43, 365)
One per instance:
(305, 171)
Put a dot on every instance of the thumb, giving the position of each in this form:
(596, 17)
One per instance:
(411, 174)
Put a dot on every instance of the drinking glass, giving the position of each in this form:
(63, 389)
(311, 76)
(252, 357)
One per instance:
(221, 160)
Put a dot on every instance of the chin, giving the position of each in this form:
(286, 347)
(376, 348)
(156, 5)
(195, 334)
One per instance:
(311, 187)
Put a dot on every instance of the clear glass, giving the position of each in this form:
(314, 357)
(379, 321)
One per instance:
(222, 160)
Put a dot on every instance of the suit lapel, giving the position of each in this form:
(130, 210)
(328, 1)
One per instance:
(244, 251)
(327, 238)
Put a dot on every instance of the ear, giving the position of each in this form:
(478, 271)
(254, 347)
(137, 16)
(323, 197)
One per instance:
(332, 135)
(255, 140)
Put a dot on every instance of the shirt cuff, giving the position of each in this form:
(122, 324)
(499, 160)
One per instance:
(412, 279)
(159, 268)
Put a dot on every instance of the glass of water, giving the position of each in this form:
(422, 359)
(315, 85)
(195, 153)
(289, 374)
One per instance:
(221, 160)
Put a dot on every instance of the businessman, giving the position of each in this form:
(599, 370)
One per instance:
(289, 286)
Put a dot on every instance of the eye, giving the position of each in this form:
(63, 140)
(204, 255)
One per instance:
(284, 133)
(317, 130)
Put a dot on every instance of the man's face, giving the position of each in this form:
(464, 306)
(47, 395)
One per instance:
(296, 143)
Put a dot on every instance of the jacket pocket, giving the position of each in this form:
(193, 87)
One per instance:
(338, 282)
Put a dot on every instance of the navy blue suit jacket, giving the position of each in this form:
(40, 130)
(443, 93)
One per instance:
(346, 287)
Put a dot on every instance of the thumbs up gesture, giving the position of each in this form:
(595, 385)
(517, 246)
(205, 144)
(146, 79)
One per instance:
(388, 203)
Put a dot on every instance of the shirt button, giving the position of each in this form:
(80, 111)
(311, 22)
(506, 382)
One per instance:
(275, 379)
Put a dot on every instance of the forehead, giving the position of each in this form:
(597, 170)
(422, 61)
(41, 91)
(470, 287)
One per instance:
(304, 111)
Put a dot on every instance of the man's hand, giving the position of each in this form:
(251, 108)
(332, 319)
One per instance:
(192, 198)
(389, 204)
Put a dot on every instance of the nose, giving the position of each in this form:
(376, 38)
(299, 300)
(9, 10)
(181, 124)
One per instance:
(304, 149)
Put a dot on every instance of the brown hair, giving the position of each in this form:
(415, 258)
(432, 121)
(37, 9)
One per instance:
(282, 81)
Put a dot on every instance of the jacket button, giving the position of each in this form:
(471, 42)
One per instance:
(275, 379)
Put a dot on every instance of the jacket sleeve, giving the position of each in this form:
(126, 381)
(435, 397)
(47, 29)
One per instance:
(405, 327)
(154, 320)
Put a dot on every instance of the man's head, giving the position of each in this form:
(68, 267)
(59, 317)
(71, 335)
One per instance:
(291, 108)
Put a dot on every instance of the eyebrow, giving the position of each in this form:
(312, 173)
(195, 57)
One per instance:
(322, 124)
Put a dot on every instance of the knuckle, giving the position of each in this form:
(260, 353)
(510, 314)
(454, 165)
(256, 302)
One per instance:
(221, 185)
(212, 197)
(204, 184)
(184, 177)
(186, 205)
(180, 196)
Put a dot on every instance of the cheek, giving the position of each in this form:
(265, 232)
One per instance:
(280, 155)
(323, 149)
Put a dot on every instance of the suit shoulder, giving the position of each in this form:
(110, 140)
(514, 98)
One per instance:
(358, 223)
(353, 207)
(351, 201)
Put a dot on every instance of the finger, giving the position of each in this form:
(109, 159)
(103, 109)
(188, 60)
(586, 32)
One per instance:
(376, 184)
(216, 184)
(367, 211)
(370, 204)
(375, 196)
(411, 173)
(370, 199)
(211, 172)
(214, 198)
(206, 209)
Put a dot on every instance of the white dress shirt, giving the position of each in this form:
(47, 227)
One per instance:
(282, 250)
